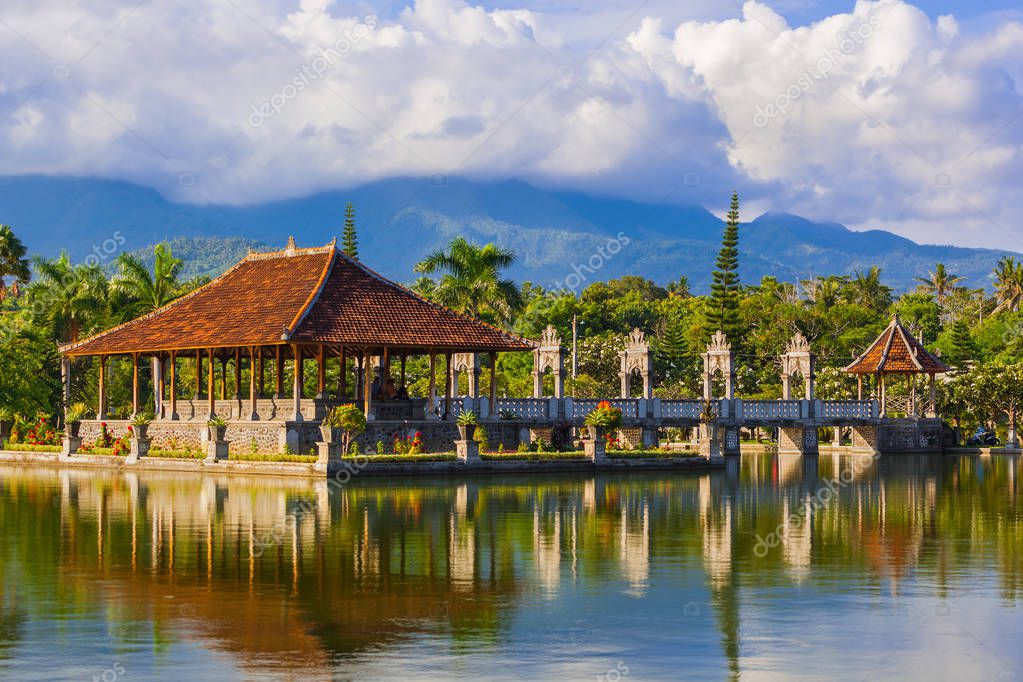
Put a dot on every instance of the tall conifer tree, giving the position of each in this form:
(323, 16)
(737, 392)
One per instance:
(723, 307)
(349, 239)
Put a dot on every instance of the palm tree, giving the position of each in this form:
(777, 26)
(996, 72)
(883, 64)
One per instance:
(69, 299)
(824, 291)
(1008, 285)
(940, 283)
(147, 291)
(472, 282)
(866, 289)
(12, 260)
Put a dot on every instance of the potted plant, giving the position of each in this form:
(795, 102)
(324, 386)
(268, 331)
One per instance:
(75, 414)
(218, 428)
(350, 421)
(140, 422)
(603, 418)
(330, 428)
(467, 421)
(707, 419)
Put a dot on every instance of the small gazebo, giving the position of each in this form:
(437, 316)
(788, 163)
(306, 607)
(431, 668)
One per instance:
(896, 352)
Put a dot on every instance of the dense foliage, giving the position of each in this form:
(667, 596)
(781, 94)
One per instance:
(981, 335)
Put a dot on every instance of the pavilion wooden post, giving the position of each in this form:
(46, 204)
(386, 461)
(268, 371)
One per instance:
(198, 374)
(932, 409)
(367, 389)
(859, 387)
(238, 375)
(253, 412)
(403, 360)
(261, 384)
(279, 376)
(321, 373)
(342, 379)
(359, 362)
(431, 391)
(101, 407)
(493, 383)
(173, 416)
(296, 388)
(134, 383)
(223, 378)
(447, 385)
(211, 386)
(385, 367)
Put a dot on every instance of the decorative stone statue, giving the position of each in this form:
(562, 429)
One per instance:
(549, 356)
(718, 358)
(637, 359)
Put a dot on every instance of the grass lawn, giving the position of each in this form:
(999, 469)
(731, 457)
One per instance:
(424, 457)
(25, 447)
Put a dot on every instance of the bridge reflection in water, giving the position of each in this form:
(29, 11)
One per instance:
(548, 575)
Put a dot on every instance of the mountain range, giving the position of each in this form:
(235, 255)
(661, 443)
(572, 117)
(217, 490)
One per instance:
(559, 237)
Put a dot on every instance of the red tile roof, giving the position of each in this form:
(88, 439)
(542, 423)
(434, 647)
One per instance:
(300, 296)
(896, 350)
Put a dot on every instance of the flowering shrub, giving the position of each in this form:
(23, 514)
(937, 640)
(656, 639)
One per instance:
(409, 445)
(38, 432)
(605, 415)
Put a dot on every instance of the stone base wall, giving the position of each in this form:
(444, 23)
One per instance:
(910, 435)
(800, 440)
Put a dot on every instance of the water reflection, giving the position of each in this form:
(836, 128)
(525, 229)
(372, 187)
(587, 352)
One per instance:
(723, 573)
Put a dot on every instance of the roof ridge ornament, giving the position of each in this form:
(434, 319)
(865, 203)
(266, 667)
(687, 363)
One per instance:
(292, 247)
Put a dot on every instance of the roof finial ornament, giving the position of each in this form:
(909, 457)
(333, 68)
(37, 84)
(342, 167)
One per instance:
(292, 247)
(333, 242)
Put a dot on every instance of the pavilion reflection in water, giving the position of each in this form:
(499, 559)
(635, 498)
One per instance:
(294, 567)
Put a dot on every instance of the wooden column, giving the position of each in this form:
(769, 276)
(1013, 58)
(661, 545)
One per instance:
(404, 358)
(134, 383)
(385, 367)
(932, 410)
(198, 374)
(859, 386)
(223, 378)
(342, 380)
(296, 388)
(493, 384)
(238, 373)
(431, 391)
(211, 385)
(367, 388)
(260, 383)
(253, 412)
(447, 386)
(101, 407)
(173, 415)
(321, 373)
(279, 378)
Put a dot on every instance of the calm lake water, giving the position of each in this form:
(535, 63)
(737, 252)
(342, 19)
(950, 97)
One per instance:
(835, 567)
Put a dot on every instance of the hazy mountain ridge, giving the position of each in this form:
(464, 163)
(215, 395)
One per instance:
(554, 233)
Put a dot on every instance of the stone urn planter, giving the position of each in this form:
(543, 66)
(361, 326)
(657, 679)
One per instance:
(597, 433)
(218, 433)
(141, 432)
(73, 429)
(330, 434)
(5, 428)
(466, 431)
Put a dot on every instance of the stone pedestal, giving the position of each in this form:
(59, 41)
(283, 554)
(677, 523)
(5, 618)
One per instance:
(327, 454)
(69, 446)
(138, 447)
(729, 441)
(864, 439)
(650, 437)
(797, 440)
(595, 449)
(708, 441)
(216, 450)
(467, 451)
(836, 438)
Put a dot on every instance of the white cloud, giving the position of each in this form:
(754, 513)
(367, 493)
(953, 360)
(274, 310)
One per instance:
(447, 86)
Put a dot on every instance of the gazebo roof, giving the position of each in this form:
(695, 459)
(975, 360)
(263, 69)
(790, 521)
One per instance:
(897, 350)
(316, 296)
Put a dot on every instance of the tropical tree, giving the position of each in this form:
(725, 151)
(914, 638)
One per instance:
(940, 283)
(472, 281)
(12, 260)
(147, 291)
(1008, 285)
(349, 238)
(68, 299)
(723, 307)
(867, 290)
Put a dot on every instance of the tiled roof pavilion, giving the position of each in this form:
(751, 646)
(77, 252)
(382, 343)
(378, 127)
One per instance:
(896, 350)
(314, 296)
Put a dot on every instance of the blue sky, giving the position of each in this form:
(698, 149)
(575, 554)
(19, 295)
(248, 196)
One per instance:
(906, 116)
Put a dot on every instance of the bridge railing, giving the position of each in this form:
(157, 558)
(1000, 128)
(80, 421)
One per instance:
(686, 409)
(846, 409)
(527, 409)
(771, 409)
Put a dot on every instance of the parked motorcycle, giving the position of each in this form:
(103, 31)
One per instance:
(983, 438)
